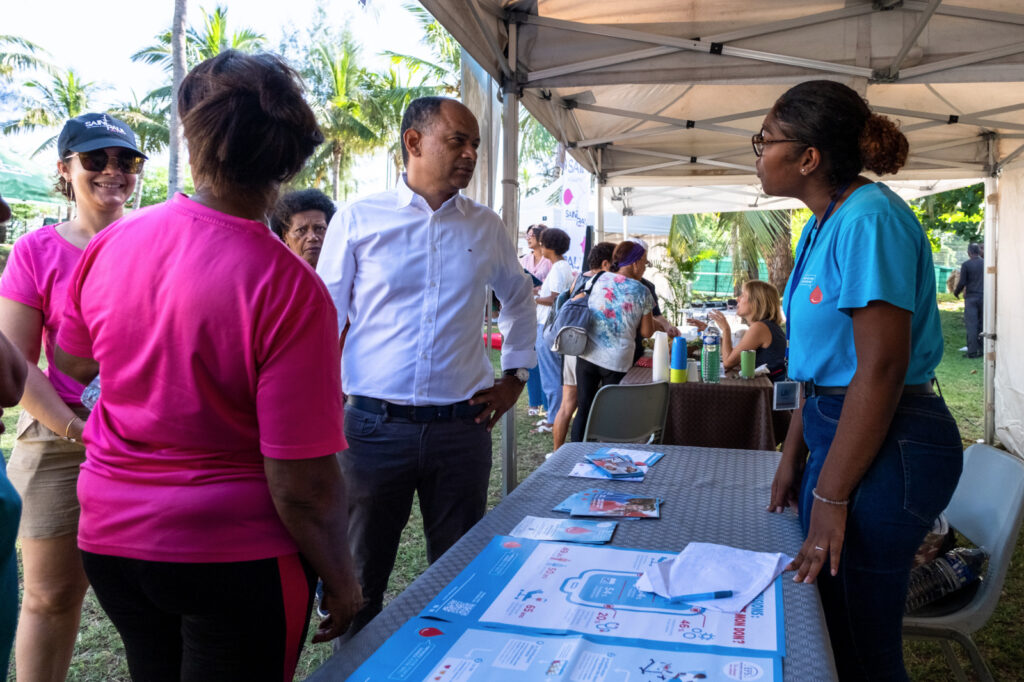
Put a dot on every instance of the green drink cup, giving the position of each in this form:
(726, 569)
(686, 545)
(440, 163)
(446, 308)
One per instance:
(747, 364)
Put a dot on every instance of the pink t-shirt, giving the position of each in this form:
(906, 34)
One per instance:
(217, 347)
(37, 275)
(538, 267)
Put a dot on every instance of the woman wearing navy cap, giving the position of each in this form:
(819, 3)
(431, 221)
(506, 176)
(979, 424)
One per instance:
(97, 166)
(874, 455)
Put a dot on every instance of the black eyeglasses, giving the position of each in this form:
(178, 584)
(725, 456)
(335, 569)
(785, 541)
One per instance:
(97, 160)
(758, 142)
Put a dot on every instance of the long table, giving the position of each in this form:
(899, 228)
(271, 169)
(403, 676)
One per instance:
(735, 413)
(711, 495)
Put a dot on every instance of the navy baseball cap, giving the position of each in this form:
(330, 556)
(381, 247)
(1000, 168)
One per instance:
(89, 132)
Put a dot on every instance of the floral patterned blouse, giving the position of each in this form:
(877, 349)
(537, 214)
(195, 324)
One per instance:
(617, 304)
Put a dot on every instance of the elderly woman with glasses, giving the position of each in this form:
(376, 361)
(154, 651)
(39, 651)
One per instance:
(300, 219)
(874, 455)
(97, 168)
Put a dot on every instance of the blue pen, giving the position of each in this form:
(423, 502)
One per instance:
(703, 596)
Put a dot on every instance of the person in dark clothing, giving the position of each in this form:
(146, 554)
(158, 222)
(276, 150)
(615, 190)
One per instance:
(759, 306)
(972, 285)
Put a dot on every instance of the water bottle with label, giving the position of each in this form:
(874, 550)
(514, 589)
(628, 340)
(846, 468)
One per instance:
(948, 573)
(710, 354)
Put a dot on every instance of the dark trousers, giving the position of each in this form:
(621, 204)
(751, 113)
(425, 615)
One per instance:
(589, 379)
(909, 482)
(448, 463)
(973, 312)
(243, 620)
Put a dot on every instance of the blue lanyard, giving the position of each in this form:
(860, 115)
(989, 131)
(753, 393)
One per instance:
(801, 259)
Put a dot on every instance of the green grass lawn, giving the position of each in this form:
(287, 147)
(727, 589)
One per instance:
(99, 656)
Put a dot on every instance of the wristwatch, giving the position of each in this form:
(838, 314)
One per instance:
(522, 375)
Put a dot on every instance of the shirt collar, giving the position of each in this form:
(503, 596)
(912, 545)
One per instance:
(407, 197)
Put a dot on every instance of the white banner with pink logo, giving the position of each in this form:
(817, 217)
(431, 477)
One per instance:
(575, 203)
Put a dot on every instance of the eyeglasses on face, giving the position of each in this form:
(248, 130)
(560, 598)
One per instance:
(97, 160)
(758, 142)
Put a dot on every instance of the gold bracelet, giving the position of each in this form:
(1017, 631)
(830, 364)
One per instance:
(67, 430)
(819, 498)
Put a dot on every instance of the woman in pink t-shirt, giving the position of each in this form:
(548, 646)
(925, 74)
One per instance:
(98, 165)
(211, 494)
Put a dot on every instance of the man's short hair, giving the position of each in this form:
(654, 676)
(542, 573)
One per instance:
(418, 116)
(974, 249)
(555, 239)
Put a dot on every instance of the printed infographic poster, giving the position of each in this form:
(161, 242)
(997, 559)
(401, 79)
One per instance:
(591, 590)
(436, 651)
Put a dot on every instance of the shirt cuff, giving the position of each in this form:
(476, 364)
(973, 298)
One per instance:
(514, 359)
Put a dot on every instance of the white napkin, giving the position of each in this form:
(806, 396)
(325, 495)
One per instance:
(704, 567)
(761, 370)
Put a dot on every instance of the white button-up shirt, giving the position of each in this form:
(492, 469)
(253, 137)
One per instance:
(410, 281)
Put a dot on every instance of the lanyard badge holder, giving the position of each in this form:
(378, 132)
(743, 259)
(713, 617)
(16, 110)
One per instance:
(786, 394)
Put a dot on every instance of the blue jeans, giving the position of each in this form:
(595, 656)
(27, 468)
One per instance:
(550, 365)
(909, 482)
(448, 463)
(534, 391)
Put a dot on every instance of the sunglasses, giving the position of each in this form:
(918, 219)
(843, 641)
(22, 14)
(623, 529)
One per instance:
(758, 142)
(97, 160)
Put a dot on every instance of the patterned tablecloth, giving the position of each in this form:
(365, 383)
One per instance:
(736, 413)
(711, 495)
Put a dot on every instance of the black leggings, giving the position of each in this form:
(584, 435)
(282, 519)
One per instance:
(243, 620)
(589, 378)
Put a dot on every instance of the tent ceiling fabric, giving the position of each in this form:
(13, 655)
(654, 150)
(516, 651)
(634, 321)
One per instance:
(652, 94)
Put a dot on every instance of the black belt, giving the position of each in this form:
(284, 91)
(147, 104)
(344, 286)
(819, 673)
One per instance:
(812, 389)
(415, 413)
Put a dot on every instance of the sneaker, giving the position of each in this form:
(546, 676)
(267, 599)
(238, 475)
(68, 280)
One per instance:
(319, 599)
(535, 411)
(541, 422)
(543, 428)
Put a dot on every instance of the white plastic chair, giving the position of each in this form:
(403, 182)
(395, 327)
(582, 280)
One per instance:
(628, 413)
(987, 508)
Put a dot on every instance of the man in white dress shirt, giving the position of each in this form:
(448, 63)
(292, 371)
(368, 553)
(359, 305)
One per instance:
(407, 270)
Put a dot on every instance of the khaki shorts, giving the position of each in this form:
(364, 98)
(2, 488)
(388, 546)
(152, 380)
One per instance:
(569, 370)
(44, 470)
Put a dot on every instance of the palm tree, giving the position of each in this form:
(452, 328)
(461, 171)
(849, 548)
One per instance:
(337, 85)
(149, 120)
(388, 95)
(176, 136)
(754, 235)
(64, 96)
(201, 44)
(446, 68)
(18, 54)
(179, 49)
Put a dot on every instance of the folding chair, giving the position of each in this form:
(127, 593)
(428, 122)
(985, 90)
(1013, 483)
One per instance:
(987, 508)
(628, 413)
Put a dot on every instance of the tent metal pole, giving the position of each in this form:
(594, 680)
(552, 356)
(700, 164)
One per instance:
(989, 313)
(599, 232)
(510, 214)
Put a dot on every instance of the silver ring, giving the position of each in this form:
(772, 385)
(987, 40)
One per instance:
(820, 549)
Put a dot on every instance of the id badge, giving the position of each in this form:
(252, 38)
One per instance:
(786, 396)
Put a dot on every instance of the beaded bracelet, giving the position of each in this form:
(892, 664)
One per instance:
(819, 498)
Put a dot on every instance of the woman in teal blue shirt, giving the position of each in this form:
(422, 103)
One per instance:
(873, 456)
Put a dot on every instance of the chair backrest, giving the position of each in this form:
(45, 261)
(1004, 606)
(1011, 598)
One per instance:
(628, 413)
(987, 508)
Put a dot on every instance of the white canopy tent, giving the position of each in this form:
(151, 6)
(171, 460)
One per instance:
(659, 98)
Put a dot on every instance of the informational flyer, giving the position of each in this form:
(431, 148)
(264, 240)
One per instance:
(564, 530)
(428, 649)
(589, 590)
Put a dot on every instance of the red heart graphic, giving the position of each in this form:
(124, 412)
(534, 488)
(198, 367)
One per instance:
(430, 632)
(816, 295)
(576, 530)
(511, 544)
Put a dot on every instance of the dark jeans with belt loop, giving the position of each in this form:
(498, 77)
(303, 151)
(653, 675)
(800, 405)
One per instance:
(908, 484)
(447, 462)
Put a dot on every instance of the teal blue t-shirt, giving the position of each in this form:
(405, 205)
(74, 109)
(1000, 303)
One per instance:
(871, 249)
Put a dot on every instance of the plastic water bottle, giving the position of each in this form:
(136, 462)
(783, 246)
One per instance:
(710, 354)
(948, 573)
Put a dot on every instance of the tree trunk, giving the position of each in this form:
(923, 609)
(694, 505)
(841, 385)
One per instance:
(780, 264)
(335, 172)
(175, 163)
(138, 188)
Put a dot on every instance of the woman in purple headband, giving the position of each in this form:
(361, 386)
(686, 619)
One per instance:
(619, 304)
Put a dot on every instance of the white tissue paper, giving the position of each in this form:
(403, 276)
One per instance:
(704, 567)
